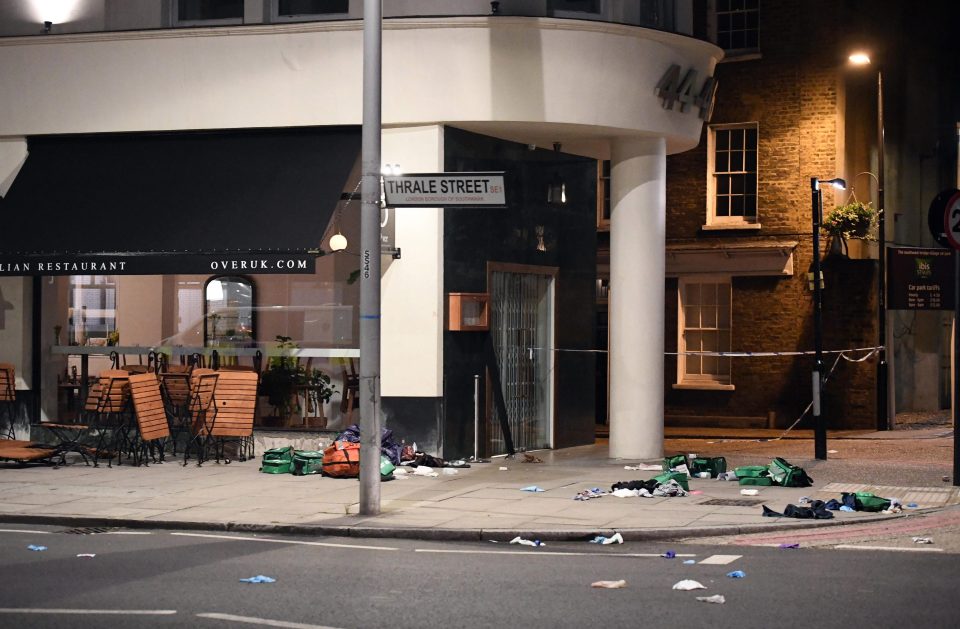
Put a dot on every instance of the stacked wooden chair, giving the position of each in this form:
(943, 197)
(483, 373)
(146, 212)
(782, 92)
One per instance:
(152, 428)
(8, 400)
(235, 403)
(201, 410)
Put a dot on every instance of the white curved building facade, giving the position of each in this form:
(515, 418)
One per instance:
(587, 84)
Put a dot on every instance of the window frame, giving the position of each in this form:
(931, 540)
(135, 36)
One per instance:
(273, 14)
(713, 221)
(177, 22)
(713, 26)
(715, 381)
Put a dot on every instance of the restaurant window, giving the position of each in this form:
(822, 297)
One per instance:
(736, 25)
(309, 8)
(204, 11)
(92, 313)
(705, 323)
(732, 175)
(228, 312)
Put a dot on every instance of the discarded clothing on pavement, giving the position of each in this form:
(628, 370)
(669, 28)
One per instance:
(817, 510)
(388, 446)
(587, 494)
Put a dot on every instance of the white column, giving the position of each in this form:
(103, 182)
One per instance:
(637, 251)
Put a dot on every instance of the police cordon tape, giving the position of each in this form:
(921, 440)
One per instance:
(842, 352)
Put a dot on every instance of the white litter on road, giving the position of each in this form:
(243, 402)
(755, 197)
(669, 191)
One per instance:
(689, 584)
(716, 598)
(610, 585)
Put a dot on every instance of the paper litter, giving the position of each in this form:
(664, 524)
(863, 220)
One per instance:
(504, 469)
(423, 470)
(646, 467)
(688, 584)
(689, 562)
(749, 492)
(922, 540)
(610, 585)
(716, 598)
(258, 579)
(616, 538)
(526, 542)
(91, 555)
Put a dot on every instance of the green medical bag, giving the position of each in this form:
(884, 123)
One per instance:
(277, 461)
(307, 462)
(680, 477)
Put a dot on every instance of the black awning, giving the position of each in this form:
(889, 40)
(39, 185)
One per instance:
(175, 202)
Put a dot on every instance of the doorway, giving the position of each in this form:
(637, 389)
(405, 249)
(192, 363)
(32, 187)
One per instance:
(522, 329)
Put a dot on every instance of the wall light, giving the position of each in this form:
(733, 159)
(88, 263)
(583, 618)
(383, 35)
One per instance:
(338, 242)
(557, 188)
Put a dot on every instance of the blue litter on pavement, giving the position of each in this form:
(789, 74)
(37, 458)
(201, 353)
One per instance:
(38, 549)
(258, 579)
(669, 554)
(689, 562)
(533, 488)
(847, 509)
(912, 505)
(737, 574)
(789, 546)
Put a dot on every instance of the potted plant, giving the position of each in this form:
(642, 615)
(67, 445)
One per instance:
(850, 223)
(285, 378)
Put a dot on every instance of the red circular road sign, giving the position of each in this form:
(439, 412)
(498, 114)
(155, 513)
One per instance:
(951, 221)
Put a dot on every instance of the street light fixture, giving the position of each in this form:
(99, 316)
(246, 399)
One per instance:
(860, 58)
(819, 423)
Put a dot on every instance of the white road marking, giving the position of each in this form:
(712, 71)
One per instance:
(896, 548)
(24, 531)
(251, 620)
(534, 553)
(283, 541)
(128, 533)
(88, 612)
(719, 560)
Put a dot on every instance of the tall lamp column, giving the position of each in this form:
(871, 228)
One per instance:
(861, 58)
(819, 422)
(883, 411)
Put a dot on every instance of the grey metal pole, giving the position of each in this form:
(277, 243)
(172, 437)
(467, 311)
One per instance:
(883, 410)
(370, 263)
(956, 368)
(819, 423)
(476, 417)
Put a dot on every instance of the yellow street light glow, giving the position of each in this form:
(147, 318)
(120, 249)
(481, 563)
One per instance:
(859, 59)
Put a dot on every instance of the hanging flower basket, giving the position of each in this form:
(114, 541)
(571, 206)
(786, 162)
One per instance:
(854, 220)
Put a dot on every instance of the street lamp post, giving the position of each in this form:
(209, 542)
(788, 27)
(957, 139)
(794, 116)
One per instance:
(883, 408)
(819, 422)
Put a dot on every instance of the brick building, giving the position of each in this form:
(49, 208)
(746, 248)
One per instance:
(739, 246)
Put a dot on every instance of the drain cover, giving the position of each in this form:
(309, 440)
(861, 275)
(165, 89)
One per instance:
(732, 502)
(89, 530)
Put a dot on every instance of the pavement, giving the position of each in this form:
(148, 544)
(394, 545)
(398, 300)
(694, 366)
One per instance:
(486, 501)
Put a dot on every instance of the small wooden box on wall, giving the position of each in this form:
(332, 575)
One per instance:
(468, 312)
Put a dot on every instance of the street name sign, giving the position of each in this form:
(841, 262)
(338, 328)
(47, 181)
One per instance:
(463, 189)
